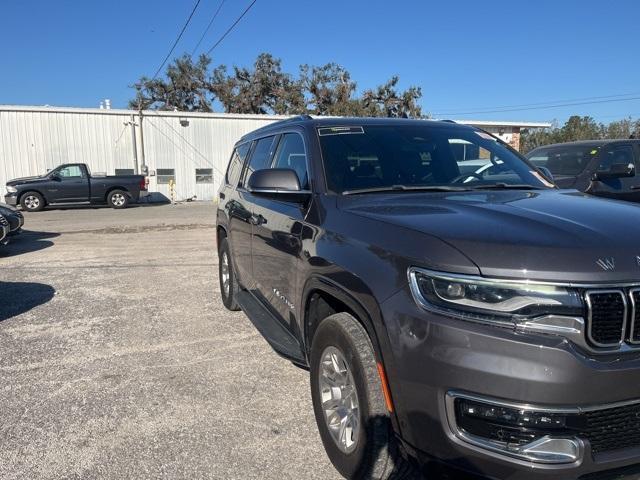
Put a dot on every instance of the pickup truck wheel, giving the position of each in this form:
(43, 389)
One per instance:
(32, 202)
(118, 199)
(349, 404)
(227, 277)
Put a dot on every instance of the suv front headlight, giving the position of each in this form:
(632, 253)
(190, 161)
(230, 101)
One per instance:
(501, 302)
(11, 189)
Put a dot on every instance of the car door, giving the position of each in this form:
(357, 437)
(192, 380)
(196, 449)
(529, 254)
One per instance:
(626, 188)
(240, 212)
(276, 244)
(70, 185)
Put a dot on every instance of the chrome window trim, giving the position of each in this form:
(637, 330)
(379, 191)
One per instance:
(587, 298)
(633, 316)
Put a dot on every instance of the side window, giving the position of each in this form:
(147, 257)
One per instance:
(70, 172)
(260, 157)
(613, 154)
(291, 154)
(236, 163)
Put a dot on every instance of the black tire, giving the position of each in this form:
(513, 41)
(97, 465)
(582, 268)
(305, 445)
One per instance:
(376, 454)
(32, 202)
(230, 291)
(118, 199)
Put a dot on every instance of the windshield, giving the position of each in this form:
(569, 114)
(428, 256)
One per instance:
(564, 160)
(407, 157)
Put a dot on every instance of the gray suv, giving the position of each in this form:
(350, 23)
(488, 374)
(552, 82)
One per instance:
(460, 316)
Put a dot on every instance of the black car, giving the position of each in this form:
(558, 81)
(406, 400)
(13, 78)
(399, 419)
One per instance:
(14, 217)
(606, 168)
(451, 321)
(73, 184)
(4, 230)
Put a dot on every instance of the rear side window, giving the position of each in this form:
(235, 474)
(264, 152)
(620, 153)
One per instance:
(291, 154)
(236, 163)
(261, 156)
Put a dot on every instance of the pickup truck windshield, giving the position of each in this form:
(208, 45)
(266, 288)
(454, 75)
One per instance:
(365, 159)
(564, 160)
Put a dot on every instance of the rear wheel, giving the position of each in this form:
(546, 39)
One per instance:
(349, 404)
(118, 199)
(32, 202)
(227, 277)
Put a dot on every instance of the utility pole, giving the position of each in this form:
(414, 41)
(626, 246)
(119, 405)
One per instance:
(132, 123)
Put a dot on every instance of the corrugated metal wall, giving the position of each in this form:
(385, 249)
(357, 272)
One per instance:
(35, 139)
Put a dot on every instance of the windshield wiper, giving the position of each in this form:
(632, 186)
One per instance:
(408, 188)
(508, 186)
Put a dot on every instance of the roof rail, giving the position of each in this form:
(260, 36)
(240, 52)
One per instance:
(297, 118)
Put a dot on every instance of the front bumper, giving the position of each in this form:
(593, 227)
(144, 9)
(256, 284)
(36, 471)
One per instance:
(11, 199)
(434, 355)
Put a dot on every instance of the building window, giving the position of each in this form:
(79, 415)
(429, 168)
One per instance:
(124, 171)
(165, 175)
(204, 175)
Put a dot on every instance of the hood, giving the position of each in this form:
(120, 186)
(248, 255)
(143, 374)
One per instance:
(549, 235)
(8, 209)
(19, 181)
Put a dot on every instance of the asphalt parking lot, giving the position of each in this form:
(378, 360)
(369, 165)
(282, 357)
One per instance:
(118, 360)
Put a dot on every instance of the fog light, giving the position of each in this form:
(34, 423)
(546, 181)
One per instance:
(528, 434)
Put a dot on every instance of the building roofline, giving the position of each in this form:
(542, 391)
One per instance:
(238, 116)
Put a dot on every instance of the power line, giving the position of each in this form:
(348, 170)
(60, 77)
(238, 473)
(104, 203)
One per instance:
(541, 108)
(208, 27)
(549, 102)
(177, 39)
(231, 27)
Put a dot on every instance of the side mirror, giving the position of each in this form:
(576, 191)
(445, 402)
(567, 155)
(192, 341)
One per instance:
(617, 170)
(55, 177)
(547, 174)
(280, 183)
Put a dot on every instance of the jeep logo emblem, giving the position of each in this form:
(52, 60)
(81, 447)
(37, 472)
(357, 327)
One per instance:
(609, 263)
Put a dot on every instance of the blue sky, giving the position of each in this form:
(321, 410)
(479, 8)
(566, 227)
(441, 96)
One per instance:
(466, 55)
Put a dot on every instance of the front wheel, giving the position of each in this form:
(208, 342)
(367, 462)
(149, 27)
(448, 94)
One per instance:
(349, 403)
(32, 202)
(118, 199)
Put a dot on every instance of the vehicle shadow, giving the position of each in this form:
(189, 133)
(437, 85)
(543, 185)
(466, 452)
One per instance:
(20, 297)
(27, 241)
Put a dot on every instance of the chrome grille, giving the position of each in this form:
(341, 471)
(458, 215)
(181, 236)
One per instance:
(606, 317)
(634, 331)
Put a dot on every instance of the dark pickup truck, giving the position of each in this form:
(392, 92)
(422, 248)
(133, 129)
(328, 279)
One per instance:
(72, 184)
(605, 168)
(452, 318)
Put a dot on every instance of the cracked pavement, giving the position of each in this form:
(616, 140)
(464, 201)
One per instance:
(118, 360)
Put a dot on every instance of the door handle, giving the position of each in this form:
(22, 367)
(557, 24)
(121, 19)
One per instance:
(635, 187)
(257, 220)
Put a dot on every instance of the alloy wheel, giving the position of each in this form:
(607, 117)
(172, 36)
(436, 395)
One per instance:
(339, 399)
(224, 273)
(31, 202)
(117, 199)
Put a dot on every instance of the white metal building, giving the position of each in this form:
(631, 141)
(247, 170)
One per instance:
(190, 148)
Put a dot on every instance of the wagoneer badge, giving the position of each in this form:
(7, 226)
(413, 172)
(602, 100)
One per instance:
(608, 263)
